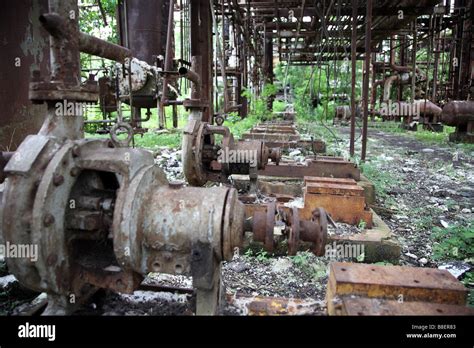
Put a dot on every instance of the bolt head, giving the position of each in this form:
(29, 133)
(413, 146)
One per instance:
(58, 180)
(48, 220)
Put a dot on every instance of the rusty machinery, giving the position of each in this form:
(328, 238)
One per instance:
(104, 215)
(144, 29)
(342, 114)
(460, 114)
(200, 151)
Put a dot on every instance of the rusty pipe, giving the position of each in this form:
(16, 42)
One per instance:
(56, 27)
(193, 75)
(458, 113)
(190, 75)
(406, 69)
(222, 130)
(374, 92)
(427, 107)
(101, 48)
(388, 86)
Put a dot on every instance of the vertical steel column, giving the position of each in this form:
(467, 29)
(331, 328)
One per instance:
(167, 66)
(459, 35)
(201, 45)
(65, 62)
(413, 58)
(244, 79)
(65, 70)
(268, 65)
(368, 49)
(372, 110)
(353, 70)
(402, 63)
(175, 116)
(465, 60)
(25, 48)
(438, 22)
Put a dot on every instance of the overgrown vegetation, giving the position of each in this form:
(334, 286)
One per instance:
(383, 181)
(303, 260)
(260, 254)
(239, 126)
(428, 137)
(457, 243)
(454, 242)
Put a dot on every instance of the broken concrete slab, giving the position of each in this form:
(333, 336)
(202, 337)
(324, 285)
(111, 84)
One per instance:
(379, 242)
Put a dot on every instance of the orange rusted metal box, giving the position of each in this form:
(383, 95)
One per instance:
(342, 198)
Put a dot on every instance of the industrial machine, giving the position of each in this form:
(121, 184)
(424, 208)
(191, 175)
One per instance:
(102, 214)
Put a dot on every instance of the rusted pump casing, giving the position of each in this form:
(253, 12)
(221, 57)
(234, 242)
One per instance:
(458, 113)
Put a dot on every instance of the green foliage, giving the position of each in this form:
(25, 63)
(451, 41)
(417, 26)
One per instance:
(468, 281)
(383, 180)
(362, 224)
(301, 259)
(279, 106)
(248, 253)
(456, 242)
(308, 83)
(308, 265)
(151, 140)
(269, 90)
(238, 126)
(261, 255)
(92, 22)
(258, 104)
(426, 136)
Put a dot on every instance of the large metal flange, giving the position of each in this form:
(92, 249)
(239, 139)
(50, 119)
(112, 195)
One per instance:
(49, 214)
(263, 224)
(193, 141)
(294, 232)
(233, 221)
(320, 230)
(24, 172)
(269, 243)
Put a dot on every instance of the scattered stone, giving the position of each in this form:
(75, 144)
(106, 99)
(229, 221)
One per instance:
(443, 208)
(428, 150)
(466, 211)
(295, 153)
(456, 268)
(295, 203)
(343, 229)
(238, 267)
(423, 261)
(7, 281)
(412, 256)
(281, 265)
(444, 223)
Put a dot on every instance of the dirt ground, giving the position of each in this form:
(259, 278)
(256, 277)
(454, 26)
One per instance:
(433, 187)
(429, 186)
